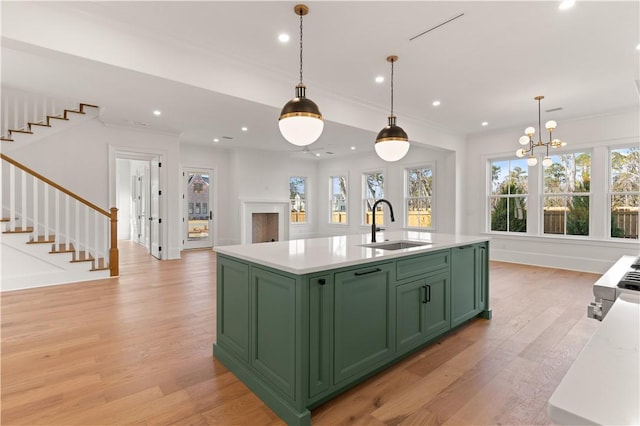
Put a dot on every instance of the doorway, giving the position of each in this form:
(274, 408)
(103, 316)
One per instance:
(137, 194)
(198, 216)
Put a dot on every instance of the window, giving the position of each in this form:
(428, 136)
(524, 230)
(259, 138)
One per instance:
(508, 199)
(372, 190)
(338, 199)
(624, 190)
(298, 199)
(566, 194)
(419, 191)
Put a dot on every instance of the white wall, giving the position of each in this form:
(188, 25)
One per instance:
(595, 254)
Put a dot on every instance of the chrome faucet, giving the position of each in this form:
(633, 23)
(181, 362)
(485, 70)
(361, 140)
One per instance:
(373, 220)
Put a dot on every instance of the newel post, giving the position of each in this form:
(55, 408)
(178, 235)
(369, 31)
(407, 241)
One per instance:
(114, 257)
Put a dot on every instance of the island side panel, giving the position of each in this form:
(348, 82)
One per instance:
(233, 306)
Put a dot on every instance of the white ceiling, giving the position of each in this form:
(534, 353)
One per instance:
(486, 65)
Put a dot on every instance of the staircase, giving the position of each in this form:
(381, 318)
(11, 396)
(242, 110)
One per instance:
(49, 234)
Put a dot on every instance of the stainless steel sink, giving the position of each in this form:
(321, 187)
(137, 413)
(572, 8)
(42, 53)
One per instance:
(396, 245)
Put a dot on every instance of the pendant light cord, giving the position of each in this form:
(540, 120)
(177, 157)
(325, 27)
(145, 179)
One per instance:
(300, 47)
(392, 87)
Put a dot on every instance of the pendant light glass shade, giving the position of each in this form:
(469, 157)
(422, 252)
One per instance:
(392, 142)
(300, 119)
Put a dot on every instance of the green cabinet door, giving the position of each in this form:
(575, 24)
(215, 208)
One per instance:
(422, 308)
(233, 306)
(467, 282)
(364, 326)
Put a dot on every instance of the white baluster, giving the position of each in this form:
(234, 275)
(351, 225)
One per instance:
(5, 118)
(45, 212)
(56, 212)
(105, 241)
(76, 236)
(96, 235)
(36, 210)
(16, 112)
(23, 189)
(87, 246)
(12, 197)
(67, 229)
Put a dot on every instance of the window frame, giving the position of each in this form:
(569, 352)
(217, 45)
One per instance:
(430, 198)
(610, 194)
(364, 199)
(305, 200)
(331, 199)
(566, 195)
(490, 196)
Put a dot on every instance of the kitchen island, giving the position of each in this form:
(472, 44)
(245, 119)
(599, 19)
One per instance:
(301, 321)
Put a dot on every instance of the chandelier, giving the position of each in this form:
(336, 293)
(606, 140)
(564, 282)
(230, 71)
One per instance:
(527, 140)
(392, 142)
(300, 120)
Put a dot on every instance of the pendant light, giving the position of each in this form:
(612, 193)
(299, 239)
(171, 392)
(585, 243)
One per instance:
(392, 142)
(300, 120)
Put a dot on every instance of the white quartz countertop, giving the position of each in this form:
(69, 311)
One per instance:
(603, 384)
(319, 254)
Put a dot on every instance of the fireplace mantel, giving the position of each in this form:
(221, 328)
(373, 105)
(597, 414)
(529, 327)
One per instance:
(250, 206)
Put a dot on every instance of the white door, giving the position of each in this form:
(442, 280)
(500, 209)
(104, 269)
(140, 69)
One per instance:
(198, 208)
(155, 218)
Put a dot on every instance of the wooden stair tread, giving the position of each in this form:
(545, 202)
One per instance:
(56, 117)
(43, 239)
(39, 124)
(82, 256)
(6, 140)
(100, 265)
(29, 132)
(26, 230)
(5, 219)
(62, 248)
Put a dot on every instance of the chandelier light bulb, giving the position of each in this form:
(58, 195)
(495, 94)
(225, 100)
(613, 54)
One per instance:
(547, 161)
(532, 161)
(530, 131)
(524, 140)
(520, 153)
(550, 125)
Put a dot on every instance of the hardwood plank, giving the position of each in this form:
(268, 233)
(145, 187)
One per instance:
(136, 349)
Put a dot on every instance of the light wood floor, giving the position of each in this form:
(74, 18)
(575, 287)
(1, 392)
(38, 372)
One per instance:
(138, 350)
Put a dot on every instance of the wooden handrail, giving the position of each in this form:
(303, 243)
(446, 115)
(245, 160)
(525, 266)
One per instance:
(55, 185)
(114, 256)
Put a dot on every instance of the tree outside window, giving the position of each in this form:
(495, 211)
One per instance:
(373, 184)
(298, 199)
(419, 192)
(624, 192)
(338, 199)
(566, 194)
(508, 199)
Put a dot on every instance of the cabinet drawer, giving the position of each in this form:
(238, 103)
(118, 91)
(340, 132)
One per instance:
(419, 265)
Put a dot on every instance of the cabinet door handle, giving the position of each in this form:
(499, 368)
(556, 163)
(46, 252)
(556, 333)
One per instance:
(368, 272)
(427, 293)
(322, 281)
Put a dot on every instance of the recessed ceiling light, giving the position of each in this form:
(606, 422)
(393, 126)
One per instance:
(157, 112)
(485, 123)
(353, 148)
(244, 129)
(566, 4)
(638, 47)
(379, 79)
(283, 37)
(317, 154)
(216, 140)
(435, 103)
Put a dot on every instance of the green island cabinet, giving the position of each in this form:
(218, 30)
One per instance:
(300, 340)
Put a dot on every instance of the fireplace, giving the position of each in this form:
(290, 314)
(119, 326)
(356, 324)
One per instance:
(263, 221)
